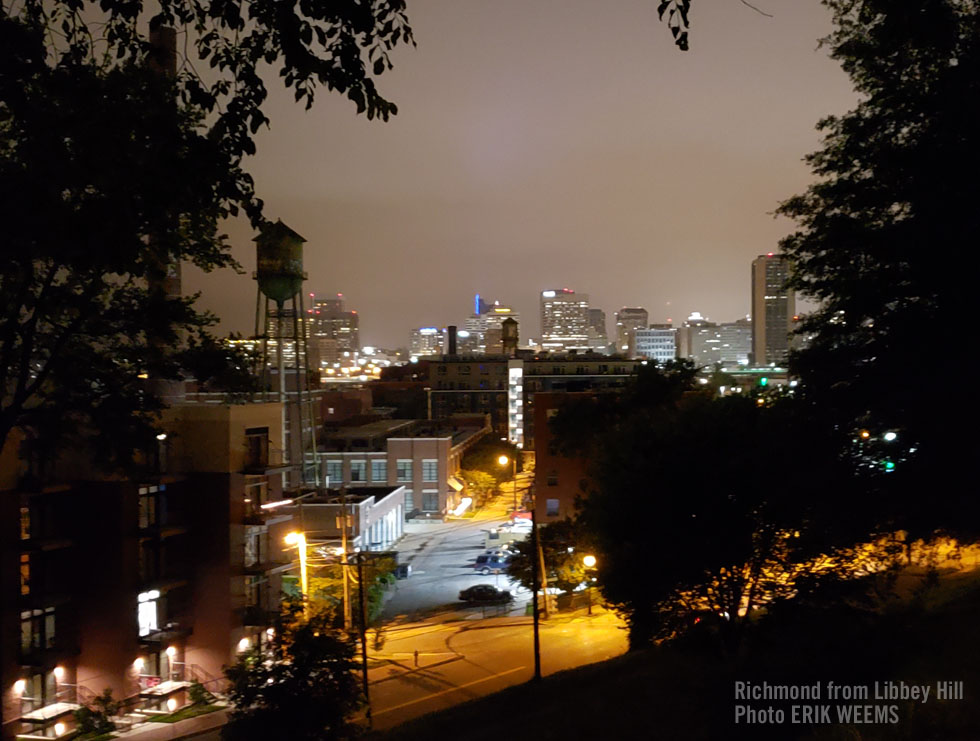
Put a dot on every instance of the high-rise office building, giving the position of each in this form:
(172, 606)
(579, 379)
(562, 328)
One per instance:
(564, 320)
(736, 342)
(334, 330)
(658, 342)
(427, 341)
(773, 308)
(627, 320)
(700, 341)
(598, 338)
(484, 326)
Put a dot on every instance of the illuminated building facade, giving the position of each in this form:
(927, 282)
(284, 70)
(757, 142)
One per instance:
(773, 310)
(140, 585)
(564, 320)
(628, 320)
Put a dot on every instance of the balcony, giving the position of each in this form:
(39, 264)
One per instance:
(263, 460)
(267, 513)
(168, 634)
(55, 652)
(68, 698)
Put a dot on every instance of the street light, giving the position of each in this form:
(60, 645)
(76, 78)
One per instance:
(589, 562)
(299, 540)
(503, 461)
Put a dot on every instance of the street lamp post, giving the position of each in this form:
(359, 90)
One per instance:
(589, 562)
(503, 461)
(299, 540)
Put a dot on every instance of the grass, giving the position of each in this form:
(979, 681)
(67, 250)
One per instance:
(190, 711)
(685, 691)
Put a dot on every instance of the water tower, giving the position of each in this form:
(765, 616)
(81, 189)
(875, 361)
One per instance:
(280, 320)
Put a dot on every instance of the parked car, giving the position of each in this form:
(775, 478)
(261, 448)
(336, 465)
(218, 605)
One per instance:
(403, 571)
(489, 564)
(485, 593)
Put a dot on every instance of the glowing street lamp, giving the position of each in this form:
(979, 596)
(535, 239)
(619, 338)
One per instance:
(503, 461)
(589, 562)
(299, 540)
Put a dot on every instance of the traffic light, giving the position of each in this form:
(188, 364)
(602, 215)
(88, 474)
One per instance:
(889, 465)
(764, 381)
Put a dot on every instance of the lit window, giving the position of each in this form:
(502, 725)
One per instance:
(147, 612)
(25, 573)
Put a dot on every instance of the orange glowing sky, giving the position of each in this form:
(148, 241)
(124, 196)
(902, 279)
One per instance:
(542, 144)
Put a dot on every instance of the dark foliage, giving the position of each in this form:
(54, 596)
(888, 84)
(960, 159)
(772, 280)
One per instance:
(112, 172)
(563, 544)
(883, 243)
(484, 456)
(704, 506)
(303, 686)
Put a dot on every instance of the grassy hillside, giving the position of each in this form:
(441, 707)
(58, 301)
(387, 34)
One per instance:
(686, 690)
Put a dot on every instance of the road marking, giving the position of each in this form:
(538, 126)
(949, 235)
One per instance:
(444, 692)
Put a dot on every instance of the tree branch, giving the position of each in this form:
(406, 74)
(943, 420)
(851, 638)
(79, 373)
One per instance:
(757, 10)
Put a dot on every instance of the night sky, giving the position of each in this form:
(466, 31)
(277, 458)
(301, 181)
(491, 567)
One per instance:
(545, 144)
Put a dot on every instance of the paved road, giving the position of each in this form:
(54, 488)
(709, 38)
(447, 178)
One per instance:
(463, 659)
(468, 651)
(442, 557)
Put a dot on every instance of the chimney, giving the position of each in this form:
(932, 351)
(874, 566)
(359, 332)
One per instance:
(451, 329)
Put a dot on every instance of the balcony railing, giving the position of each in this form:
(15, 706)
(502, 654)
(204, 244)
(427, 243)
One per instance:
(264, 459)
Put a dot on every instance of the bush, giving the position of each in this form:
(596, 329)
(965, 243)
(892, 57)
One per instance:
(199, 695)
(97, 717)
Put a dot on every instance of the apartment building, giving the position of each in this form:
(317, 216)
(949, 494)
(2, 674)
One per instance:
(145, 583)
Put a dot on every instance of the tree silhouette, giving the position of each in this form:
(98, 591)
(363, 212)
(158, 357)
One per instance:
(111, 172)
(882, 244)
(302, 685)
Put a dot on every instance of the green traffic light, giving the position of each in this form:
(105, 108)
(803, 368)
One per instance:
(889, 466)
(763, 381)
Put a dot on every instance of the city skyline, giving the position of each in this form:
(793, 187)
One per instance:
(554, 144)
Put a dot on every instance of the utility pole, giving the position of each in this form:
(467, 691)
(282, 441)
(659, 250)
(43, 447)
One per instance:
(344, 544)
(535, 583)
(364, 664)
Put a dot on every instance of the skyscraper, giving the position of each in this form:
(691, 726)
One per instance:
(598, 339)
(657, 342)
(334, 330)
(427, 341)
(773, 308)
(627, 320)
(700, 341)
(564, 320)
(736, 342)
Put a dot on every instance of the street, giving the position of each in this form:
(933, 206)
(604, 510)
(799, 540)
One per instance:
(442, 556)
(469, 651)
(463, 659)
